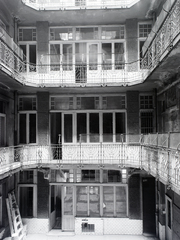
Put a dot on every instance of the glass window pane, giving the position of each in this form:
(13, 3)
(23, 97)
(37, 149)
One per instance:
(32, 128)
(81, 201)
(68, 129)
(119, 55)
(32, 57)
(67, 57)
(93, 56)
(94, 201)
(22, 128)
(94, 127)
(55, 57)
(86, 33)
(108, 201)
(106, 56)
(2, 131)
(55, 127)
(120, 127)
(121, 206)
(68, 200)
(107, 127)
(81, 127)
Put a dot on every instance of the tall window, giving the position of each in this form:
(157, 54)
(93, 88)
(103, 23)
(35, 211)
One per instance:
(144, 30)
(2, 124)
(146, 113)
(27, 120)
(27, 41)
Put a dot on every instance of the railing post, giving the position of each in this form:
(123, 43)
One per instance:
(141, 151)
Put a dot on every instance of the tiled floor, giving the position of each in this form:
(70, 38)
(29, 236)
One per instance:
(87, 237)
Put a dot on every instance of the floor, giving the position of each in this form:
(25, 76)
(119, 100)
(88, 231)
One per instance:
(87, 237)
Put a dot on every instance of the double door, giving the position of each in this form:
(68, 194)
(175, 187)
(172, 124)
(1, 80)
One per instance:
(86, 59)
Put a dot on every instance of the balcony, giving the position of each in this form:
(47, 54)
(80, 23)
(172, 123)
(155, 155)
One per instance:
(157, 154)
(78, 4)
(63, 74)
(163, 41)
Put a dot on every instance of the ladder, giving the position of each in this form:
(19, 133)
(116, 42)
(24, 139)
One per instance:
(15, 221)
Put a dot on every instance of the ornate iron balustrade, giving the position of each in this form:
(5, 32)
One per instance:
(157, 154)
(163, 37)
(78, 4)
(61, 75)
(4, 37)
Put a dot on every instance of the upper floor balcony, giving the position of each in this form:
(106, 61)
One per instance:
(157, 154)
(78, 4)
(103, 69)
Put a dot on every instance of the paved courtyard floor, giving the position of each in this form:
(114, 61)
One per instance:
(87, 237)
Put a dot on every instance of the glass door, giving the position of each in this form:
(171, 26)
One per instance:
(67, 128)
(92, 56)
(68, 208)
(81, 62)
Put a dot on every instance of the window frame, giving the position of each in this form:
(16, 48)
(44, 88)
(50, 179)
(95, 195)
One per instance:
(3, 115)
(27, 113)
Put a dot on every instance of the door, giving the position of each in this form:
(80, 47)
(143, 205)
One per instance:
(81, 62)
(67, 208)
(149, 206)
(67, 128)
(168, 218)
(92, 52)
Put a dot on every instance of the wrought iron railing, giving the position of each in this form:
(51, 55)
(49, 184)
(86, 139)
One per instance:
(101, 74)
(157, 154)
(78, 4)
(163, 37)
(9, 42)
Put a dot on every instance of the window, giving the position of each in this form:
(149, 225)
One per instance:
(63, 34)
(27, 34)
(113, 32)
(88, 201)
(27, 103)
(112, 176)
(86, 33)
(27, 128)
(146, 113)
(90, 176)
(29, 51)
(26, 176)
(61, 53)
(2, 124)
(144, 30)
(2, 130)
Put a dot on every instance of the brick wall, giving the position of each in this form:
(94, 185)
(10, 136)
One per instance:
(133, 112)
(42, 44)
(43, 197)
(132, 44)
(43, 117)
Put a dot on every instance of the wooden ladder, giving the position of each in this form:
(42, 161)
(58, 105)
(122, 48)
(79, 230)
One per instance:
(15, 221)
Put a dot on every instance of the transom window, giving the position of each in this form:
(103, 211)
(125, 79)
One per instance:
(27, 34)
(144, 30)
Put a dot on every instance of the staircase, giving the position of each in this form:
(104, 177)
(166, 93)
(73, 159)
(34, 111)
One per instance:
(15, 222)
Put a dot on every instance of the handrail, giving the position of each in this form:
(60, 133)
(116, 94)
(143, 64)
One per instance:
(163, 37)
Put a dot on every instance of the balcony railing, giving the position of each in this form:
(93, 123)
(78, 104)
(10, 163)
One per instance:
(157, 154)
(163, 37)
(63, 74)
(78, 4)
(9, 42)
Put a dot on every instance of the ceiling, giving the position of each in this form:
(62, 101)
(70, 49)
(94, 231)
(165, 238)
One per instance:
(28, 16)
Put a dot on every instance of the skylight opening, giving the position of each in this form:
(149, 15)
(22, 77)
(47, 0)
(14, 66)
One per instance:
(78, 4)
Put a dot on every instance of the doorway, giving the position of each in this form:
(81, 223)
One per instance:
(168, 218)
(149, 206)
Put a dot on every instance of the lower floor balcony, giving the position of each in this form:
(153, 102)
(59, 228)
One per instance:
(157, 154)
